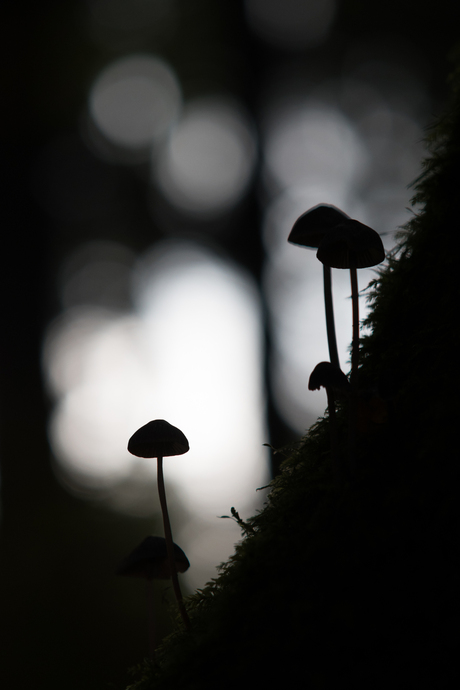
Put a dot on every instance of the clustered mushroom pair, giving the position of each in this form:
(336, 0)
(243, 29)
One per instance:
(158, 557)
(341, 242)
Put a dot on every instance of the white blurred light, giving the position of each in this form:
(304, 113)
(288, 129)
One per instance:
(208, 161)
(310, 143)
(135, 100)
(92, 368)
(191, 354)
(203, 333)
(291, 24)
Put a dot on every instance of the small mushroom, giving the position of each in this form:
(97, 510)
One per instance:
(159, 439)
(330, 377)
(309, 230)
(150, 561)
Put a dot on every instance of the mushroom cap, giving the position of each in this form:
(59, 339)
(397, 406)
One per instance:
(311, 227)
(158, 439)
(351, 244)
(150, 560)
(328, 375)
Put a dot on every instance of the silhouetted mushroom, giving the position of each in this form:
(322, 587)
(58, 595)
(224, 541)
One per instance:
(352, 245)
(335, 382)
(327, 375)
(150, 561)
(159, 439)
(309, 230)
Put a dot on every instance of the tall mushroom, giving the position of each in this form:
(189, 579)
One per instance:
(351, 244)
(335, 382)
(159, 439)
(309, 230)
(150, 561)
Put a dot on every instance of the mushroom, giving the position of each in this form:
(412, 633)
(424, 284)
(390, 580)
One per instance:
(150, 561)
(335, 382)
(350, 244)
(309, 230)
(159, 439)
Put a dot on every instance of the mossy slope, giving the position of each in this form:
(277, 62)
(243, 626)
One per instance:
(358, 584)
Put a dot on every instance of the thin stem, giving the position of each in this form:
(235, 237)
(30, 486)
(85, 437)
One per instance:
(330, 325)
(354, 372)
(355, 345)
(170, 543)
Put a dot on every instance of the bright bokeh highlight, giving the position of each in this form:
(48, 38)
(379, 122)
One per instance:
(207, 163)
(190, 353)
(134, 101)
(309, 143)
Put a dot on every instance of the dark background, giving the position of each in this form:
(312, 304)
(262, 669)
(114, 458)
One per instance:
(66, 621)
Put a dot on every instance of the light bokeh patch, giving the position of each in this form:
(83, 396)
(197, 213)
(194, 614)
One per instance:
(133, 102)
(190, 353)
(207, 163)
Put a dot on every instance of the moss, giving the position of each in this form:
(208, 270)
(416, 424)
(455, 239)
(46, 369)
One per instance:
(357, 584)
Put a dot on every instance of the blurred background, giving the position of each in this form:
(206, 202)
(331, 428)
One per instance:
(155, 154)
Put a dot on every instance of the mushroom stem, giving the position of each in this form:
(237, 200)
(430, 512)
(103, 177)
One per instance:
(354, 372)
(355, 343)
(169, 543)
(330, 326)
